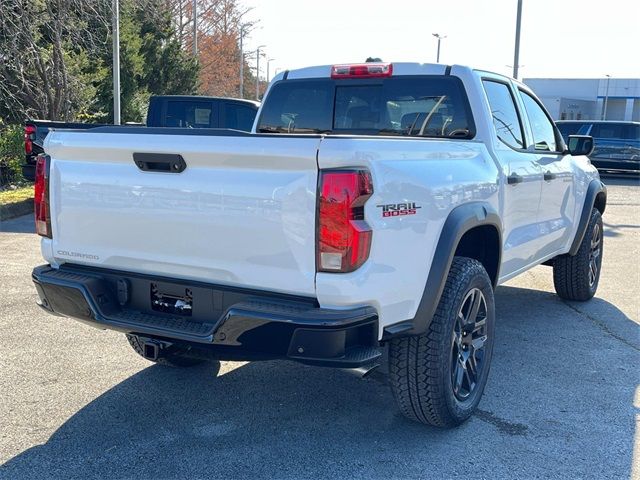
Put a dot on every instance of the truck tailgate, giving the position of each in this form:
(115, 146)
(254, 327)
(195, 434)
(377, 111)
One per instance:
(241, 213)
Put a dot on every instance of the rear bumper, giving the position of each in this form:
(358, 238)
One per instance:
(229, 323)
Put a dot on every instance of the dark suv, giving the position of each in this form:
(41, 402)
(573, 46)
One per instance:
(617, 144)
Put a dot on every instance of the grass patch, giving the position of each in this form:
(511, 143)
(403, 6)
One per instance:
(8, 197)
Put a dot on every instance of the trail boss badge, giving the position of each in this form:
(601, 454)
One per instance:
(398, 209)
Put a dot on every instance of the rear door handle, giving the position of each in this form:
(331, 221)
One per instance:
(514, 178)
(160, 162)
(548, 176)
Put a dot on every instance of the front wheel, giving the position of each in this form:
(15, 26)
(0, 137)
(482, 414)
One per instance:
(438, 377)
(576, 277)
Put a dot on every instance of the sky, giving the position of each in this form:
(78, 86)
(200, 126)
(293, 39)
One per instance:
(560, 38)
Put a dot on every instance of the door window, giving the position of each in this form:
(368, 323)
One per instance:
(239, 117)
(505, 114)
(544, 135)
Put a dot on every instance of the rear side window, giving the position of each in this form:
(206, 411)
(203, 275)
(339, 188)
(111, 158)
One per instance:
(607, 130)
(505, 115)
(632, 132)
(428, 106)
(625, 131)
(186, 114)
(239, 117)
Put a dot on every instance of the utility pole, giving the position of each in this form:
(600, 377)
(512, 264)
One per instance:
(258, 71)
(116, 61)
(439, 37)
(195, 28)
(241, 62)
(268, 63)
(516, 55)
(606, 99)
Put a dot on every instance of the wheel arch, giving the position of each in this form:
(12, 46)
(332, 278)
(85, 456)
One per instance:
(473, 230)
(596, 196)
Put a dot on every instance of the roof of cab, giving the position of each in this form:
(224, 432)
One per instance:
(399, 68)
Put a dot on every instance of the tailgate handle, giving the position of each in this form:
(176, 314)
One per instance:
(160, 162)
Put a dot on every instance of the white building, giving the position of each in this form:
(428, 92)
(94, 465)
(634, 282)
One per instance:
(585, 98)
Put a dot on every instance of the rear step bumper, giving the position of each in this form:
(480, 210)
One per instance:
(223, 322)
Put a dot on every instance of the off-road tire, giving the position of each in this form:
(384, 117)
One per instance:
(420, 367)
(169, 359)
(571, 274)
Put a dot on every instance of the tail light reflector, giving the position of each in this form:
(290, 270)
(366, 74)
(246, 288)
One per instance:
(41, 197)
(29, 134)
(344, 238)
(362, 70)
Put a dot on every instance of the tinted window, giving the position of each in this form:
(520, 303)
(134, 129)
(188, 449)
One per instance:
(607, 130)
(505, 115)
(632, 132)
(544, 135)
(416, 106)
(625, 131)
(567, 129)
(297, 107)
(190, 114)
(239, 117)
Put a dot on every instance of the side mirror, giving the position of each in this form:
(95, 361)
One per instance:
(580, 145)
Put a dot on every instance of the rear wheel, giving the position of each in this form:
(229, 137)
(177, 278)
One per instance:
(171, 358)
(576, 277)
(438, 377)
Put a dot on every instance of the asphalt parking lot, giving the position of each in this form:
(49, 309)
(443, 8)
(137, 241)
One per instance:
(562, 399)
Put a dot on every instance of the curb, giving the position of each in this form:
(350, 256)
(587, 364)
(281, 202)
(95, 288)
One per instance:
(17, 209)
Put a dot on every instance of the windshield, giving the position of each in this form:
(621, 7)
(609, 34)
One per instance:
(427, 106)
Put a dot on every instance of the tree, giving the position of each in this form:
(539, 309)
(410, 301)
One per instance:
(219, 26)
(152, 62)
(56, 59)
(43, 46)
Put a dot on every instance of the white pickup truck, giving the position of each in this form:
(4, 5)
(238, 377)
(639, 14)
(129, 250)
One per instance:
(372, 206)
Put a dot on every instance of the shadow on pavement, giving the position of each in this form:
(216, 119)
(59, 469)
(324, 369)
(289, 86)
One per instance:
(24, 224)
(559, 401)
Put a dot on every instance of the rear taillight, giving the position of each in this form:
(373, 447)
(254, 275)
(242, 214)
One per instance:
(29, 137)
(344, 238)
(361, 70)
(41, 197)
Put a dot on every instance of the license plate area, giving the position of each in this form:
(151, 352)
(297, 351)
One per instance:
(171, 299)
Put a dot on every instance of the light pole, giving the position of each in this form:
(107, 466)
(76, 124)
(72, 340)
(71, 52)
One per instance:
(516, 55)
(116, 62)
(195, 28)
(258, 71)
(241, 61)
(606, 99)
(268, 63)
(511, 66)
(439, 37)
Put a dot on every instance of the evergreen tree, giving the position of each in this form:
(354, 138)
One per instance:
(152, 62)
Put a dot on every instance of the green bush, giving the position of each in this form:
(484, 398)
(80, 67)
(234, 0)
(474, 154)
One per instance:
(11, 155)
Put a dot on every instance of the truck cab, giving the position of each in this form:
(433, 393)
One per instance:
(195, 111)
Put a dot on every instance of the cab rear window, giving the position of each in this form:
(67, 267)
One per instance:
(426, 106)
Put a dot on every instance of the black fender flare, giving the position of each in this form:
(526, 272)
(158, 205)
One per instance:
(595, 188)
(459, 221)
